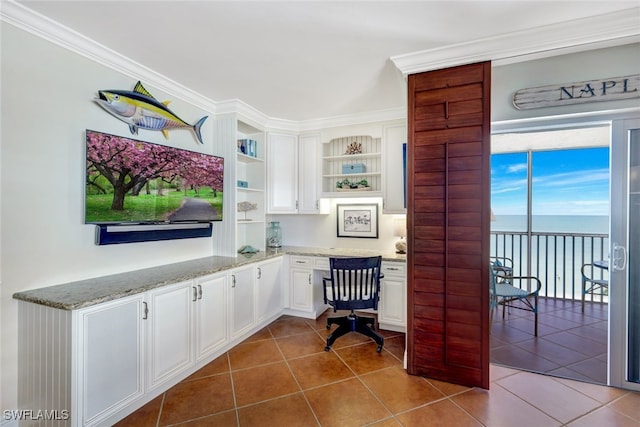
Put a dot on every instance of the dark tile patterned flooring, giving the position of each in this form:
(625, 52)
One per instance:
(570, 344)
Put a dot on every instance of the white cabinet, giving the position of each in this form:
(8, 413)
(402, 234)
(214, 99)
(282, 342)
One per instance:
(110, 362)
(308, 174)
(169, 331)
(393, 297)
(393, 169)
(250, 189)
(306, 296)
(292, 174)
(282, 173)
(301, 283)
(269, 289)
(242, 300)
(210, 315)
(351, 166)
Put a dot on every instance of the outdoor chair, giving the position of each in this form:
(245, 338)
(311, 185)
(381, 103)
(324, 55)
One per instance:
(520, 292)
(592, 285)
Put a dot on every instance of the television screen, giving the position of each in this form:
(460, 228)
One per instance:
(131, 181)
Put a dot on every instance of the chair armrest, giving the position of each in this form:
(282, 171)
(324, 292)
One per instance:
(521, 279)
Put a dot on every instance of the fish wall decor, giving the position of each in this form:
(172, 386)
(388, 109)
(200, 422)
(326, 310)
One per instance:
(139, 109)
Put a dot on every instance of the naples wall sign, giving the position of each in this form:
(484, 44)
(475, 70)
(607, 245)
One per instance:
(610, 89)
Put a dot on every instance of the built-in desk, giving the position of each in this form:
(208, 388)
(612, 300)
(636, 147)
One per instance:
(113, 343)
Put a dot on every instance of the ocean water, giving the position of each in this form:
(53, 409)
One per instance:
(553, 223)
(556, 258)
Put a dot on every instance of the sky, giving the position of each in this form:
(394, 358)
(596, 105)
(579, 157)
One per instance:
(565, 182)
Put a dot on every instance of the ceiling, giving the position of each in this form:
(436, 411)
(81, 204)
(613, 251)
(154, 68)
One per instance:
(300, 60)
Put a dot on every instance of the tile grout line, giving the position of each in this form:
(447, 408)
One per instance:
(304, 396)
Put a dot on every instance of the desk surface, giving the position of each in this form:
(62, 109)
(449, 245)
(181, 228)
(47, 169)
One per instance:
(84, 293)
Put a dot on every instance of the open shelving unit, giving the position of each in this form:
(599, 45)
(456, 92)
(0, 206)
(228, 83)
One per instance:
(335, 157)
(250, 225)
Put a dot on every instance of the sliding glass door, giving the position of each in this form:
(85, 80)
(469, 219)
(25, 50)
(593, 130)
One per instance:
(625, 255)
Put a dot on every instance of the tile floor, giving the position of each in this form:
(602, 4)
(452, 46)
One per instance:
(281, 376)
(570, 344)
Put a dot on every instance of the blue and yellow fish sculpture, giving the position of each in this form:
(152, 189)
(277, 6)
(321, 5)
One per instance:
(139, 109)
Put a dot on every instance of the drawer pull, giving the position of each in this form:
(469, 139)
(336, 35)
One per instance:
(392, 268)
(300, 262)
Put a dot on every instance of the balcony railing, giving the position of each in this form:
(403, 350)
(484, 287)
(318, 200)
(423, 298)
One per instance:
(554, 258)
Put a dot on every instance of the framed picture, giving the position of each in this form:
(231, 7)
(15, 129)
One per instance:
(358, 220)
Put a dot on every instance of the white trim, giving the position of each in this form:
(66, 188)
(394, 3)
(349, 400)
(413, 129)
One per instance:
(35, 23)
(44, 27)
(607, 30)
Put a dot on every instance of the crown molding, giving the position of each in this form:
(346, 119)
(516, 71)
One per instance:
(606, 30)
(39, 25)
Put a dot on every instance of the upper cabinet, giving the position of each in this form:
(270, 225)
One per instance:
(250, 187)
(352, 166)
(292, 174)
(394, 169)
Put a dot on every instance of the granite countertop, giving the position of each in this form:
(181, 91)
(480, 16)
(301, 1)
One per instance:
(88, 292)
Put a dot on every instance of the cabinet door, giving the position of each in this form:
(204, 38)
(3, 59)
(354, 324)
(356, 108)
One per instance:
(301, 280)
(269, 289)
(211, 315)
(242, 301)
(309, 174)
(393, 174)
(391, 309)
(169, 331)
(110, 368)
(282, 173)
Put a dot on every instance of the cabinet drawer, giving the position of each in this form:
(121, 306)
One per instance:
(321, 264)
(300, 261)
(394, 268)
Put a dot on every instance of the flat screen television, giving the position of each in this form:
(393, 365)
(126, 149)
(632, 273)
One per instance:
(135, 182)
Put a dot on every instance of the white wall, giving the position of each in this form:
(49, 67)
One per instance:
(321, 230)
(584, 66)
(47, 104)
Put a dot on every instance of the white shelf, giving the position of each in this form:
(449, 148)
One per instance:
(250, 221)
(249, 159)
(353, 156)
(355, 175)
(250, 190)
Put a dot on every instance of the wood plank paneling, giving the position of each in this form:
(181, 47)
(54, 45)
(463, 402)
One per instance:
(448, 223)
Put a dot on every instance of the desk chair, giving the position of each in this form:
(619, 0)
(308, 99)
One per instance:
(519, 292)
(354, 284)
(592, 285)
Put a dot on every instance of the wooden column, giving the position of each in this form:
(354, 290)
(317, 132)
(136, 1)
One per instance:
(448, 216)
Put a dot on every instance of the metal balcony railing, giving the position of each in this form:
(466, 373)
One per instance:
(554, 258)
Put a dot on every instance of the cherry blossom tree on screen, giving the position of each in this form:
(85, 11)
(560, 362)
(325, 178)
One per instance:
(128, 165)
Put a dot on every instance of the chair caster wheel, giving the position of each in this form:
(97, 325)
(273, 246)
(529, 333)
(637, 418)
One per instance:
(327, 348)
(379, 348)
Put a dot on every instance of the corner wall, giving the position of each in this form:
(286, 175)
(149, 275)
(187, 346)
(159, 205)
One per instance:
(47, 104)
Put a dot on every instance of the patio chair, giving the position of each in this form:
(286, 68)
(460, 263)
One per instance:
(520, 292)
(503, 267)
(591, 285)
